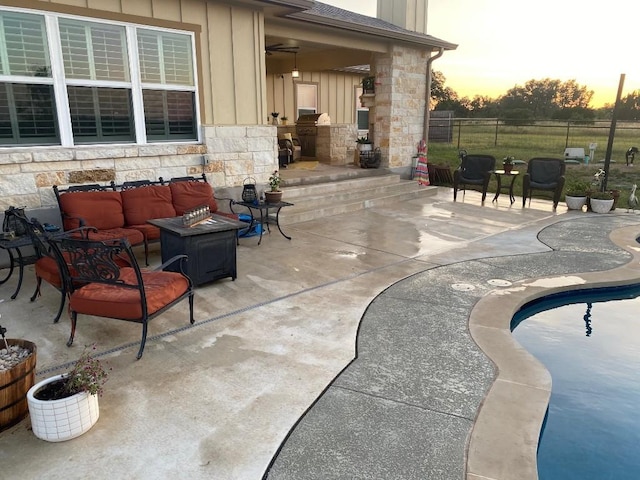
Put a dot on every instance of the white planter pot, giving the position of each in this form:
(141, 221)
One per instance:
(64, 419)
(601, 206)
(575, 203)
(365, 147)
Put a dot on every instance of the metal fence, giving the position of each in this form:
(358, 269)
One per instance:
(551, 137)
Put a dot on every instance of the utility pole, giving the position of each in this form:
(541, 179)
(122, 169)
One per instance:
(612, 133)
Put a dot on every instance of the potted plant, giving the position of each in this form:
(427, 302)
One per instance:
(576, 194)
(17, 376)
(284, 120)
(274, 118)
(364, 144)
(65, 406)
(601, 202)
(507, 164)
(368, 85)
(274, 194)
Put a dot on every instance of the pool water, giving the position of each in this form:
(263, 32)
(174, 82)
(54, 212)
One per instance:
(590, 343)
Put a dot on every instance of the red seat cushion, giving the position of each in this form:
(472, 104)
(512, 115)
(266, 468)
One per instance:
(187, 195)
(151, 232)
(47, 269)
(114, 301)
(144, 203)
(102, 210)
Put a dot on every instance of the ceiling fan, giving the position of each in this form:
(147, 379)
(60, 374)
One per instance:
(280, 47)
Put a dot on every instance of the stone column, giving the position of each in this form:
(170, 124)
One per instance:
(399, 109)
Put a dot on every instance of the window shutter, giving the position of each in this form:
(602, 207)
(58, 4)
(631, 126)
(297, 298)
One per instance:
(93, 51)
(165, 58)
(25, 50)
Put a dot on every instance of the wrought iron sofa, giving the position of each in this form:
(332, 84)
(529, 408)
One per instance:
(121, 211)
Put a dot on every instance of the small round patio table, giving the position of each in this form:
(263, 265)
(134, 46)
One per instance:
(501, 173)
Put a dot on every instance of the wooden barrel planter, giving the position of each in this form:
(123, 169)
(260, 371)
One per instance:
(14, 384)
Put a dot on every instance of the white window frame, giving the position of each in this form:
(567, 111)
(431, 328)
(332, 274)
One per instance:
(60, 83)
(360, 108)
(299, 105)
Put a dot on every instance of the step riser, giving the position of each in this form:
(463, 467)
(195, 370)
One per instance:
(348, 196)
(323, 189)
(290, 215)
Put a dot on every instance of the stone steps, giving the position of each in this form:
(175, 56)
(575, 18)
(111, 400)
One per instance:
(349, 193)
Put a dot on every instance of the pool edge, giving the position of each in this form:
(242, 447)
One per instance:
(504, 439)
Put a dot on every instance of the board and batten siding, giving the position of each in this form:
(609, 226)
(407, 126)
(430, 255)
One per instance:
(336, 94)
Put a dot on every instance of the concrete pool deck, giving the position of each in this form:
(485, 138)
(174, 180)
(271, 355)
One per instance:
(346, 353)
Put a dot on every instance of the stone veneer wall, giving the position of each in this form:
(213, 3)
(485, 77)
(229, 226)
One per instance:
(229, 155)
(399, 105)
(235, 152)
(335, 143)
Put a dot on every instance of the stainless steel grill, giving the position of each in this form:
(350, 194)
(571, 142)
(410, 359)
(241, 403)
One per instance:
(307, 131)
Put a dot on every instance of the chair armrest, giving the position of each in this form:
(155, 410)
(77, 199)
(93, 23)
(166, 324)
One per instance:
(84, 232)
(181, 258)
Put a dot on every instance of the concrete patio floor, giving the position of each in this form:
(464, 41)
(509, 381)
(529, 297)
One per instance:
(217, 399)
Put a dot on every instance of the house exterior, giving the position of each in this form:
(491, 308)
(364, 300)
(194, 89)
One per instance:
(100, 90)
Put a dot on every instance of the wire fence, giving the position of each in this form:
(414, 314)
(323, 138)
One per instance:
(519, 138)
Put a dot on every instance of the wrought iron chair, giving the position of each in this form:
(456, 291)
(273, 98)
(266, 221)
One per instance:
(125, 293)
(545, 174)
(47, 266)
(474, 170)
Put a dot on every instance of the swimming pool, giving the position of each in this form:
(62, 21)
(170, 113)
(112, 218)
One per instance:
(590, 343)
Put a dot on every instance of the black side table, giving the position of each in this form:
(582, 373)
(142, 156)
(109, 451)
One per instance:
(501, 173)
(265, 220)
(12, 245)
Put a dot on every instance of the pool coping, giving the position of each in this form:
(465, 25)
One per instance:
(504, 438)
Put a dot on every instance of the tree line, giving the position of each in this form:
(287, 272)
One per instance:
(545, 99)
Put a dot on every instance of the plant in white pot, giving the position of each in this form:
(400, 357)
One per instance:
(364, 144)
(601, 202)
(66, 406)
(576, 194)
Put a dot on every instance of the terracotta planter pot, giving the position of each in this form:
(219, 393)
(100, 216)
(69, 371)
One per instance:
(64, 419)
(273, 197)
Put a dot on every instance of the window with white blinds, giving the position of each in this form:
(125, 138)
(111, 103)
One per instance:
(99, 91)
(24, 50)
(169, 114)
(306, 98)
(27, 109)
(165, 58)
(93, 51)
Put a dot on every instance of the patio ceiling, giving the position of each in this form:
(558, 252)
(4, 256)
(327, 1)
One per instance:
(312, 56)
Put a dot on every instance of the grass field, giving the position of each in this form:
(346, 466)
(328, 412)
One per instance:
(546, 140)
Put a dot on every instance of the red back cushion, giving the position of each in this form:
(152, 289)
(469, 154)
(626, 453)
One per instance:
(188, 195)
(102, 210)
(144, 203)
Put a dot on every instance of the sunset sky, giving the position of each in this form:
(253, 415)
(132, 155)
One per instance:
(503, 43)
